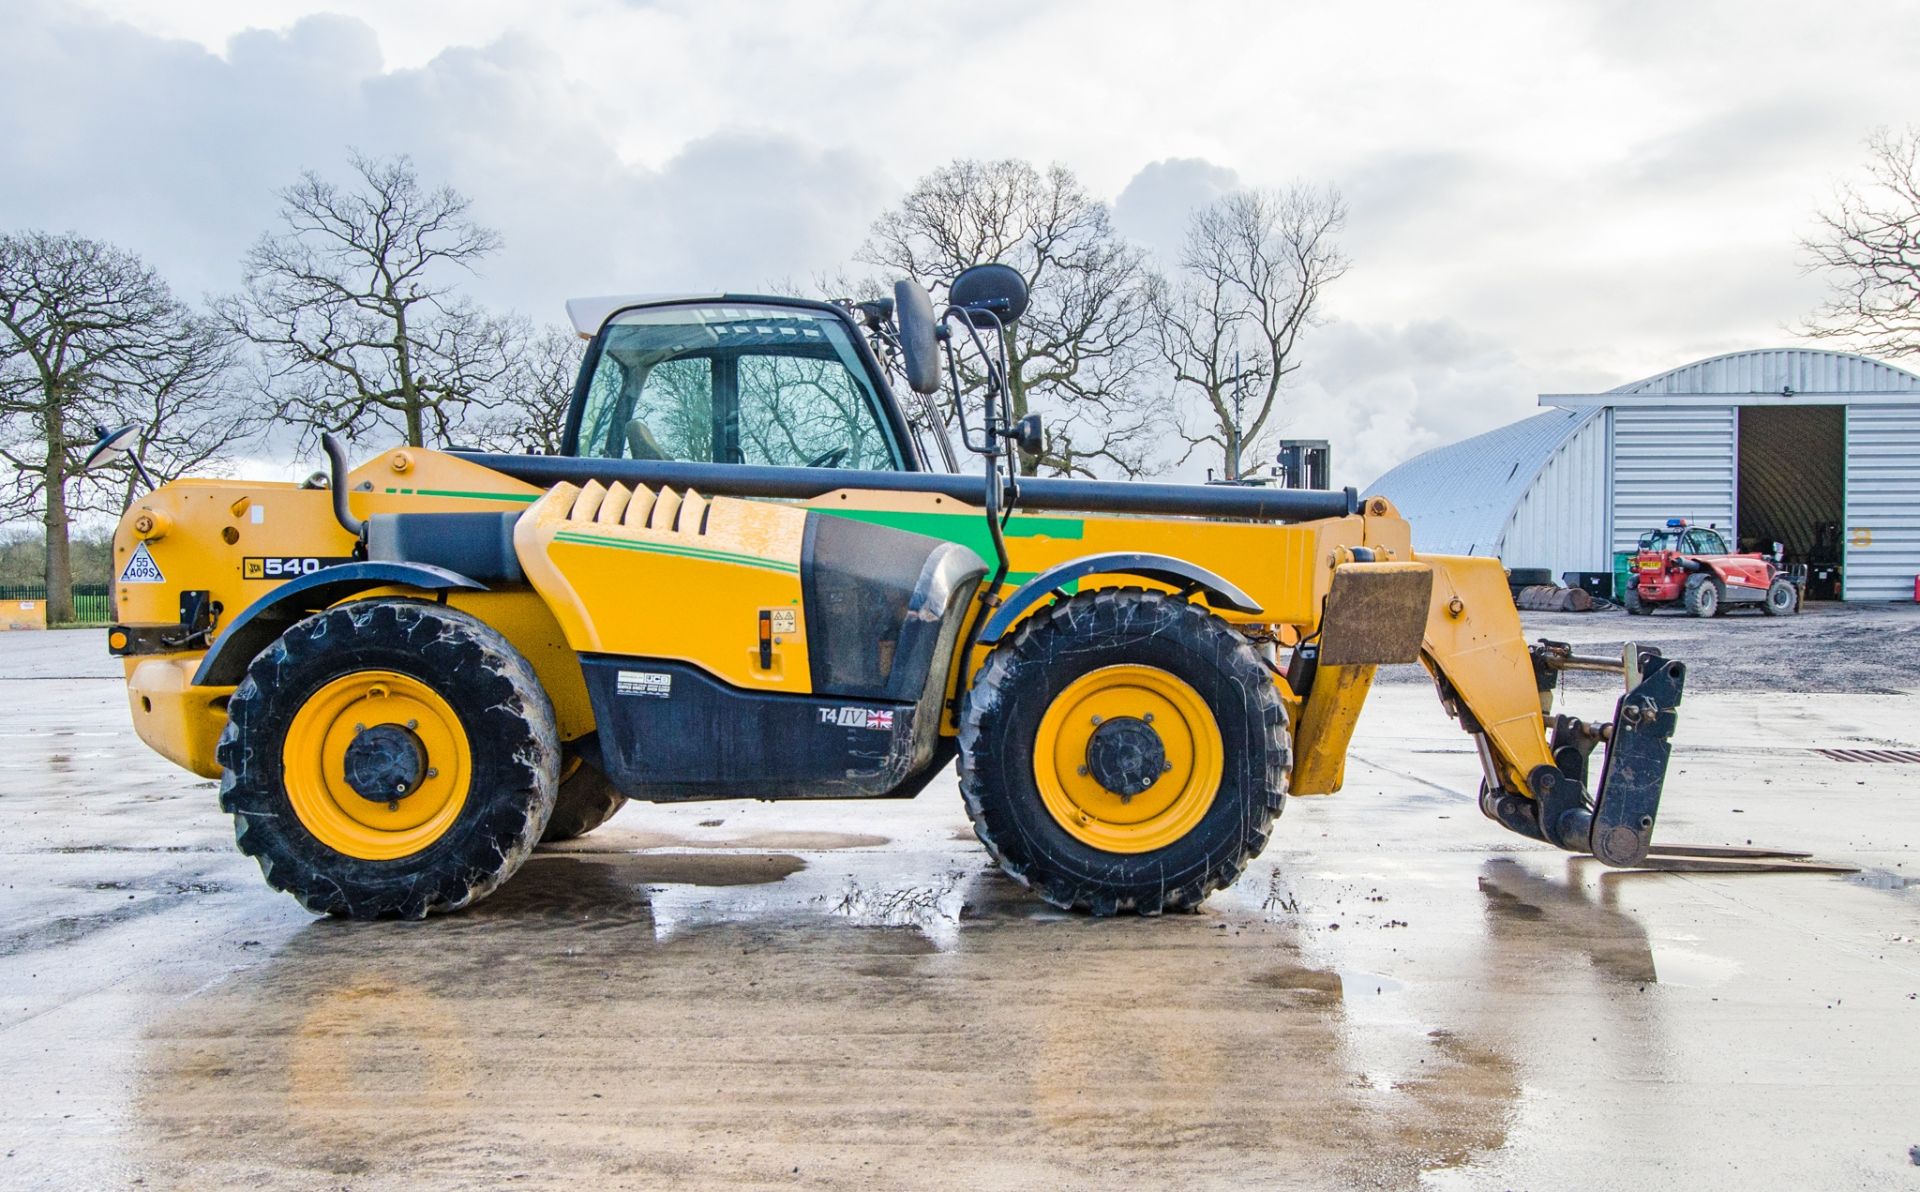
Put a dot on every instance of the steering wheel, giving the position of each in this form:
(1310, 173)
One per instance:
(829, 459)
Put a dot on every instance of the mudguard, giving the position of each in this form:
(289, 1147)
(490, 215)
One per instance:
(268, 617)
(1164, 569)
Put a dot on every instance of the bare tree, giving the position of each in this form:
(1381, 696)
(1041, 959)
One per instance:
(89, 335)
(531, 414)
(1077, 353)
(352, 306)
(1869, 245)
(1228, 325)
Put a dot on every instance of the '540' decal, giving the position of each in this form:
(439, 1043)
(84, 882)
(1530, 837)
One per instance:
(287, 566)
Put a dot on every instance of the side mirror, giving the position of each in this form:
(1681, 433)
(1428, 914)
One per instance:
(992, 294)
(112, 447)
(919, 339)
(1026, 434)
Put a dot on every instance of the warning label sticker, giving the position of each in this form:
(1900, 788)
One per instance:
(652, 683)
(141, 569)
(783, 620)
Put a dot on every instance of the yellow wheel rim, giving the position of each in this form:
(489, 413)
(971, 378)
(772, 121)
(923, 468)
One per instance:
(314, 766)
(1177, 799)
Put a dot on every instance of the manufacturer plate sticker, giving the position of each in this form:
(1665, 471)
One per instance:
(141, 569)
(649, 683)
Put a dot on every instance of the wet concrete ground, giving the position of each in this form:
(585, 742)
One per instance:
(1397, 994)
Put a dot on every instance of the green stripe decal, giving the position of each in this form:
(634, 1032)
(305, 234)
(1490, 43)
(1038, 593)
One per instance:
(678, 550)
(968, 529)
(517, 498)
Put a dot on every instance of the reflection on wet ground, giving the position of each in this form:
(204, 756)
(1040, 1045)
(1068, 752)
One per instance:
(554, 1029)
(1396, 995)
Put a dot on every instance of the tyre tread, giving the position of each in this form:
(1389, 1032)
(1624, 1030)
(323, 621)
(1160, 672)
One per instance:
(1117, 610)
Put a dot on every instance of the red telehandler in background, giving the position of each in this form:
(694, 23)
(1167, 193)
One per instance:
(1690, 567)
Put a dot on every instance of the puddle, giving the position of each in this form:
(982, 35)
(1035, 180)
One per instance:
(1689, 969)
(1883, 879)
(618, 841)
(1364, 984)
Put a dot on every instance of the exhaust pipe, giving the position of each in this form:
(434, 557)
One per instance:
(337, 461)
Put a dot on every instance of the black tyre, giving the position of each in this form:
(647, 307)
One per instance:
(587, 799)
(1117, 691)
(1782, 600)
(1633, 604)
(1702, 595)
(395, 698)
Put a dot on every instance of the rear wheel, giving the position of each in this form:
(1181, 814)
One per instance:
(389, 758)
(1782, 600)
(1702, 595)
(1633, 604)
(1125, 750)
(587, 799)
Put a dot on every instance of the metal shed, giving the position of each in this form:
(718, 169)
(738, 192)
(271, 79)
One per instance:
(1818, 451)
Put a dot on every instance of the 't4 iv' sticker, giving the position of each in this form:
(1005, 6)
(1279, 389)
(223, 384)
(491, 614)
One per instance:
(141, 569)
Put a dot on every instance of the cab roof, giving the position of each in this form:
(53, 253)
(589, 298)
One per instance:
(588, 314)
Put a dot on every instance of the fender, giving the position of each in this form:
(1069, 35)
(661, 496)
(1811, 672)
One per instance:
(1160, 568)
(268, 617)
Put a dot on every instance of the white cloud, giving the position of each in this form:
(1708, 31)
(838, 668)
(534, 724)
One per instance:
(176, 152)
(1545, 195)
(1154, 205)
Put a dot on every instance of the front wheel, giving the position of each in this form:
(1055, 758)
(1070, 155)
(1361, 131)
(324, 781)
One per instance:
(1782, 600)
(1702, 595)
(1125, 750)
(389, 758)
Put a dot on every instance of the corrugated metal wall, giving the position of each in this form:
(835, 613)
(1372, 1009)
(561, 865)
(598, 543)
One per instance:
(1556, 523)
(1883, 502)
(1671, 461)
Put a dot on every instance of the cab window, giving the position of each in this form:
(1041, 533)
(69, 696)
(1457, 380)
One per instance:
(1705, 542)
(733, 383)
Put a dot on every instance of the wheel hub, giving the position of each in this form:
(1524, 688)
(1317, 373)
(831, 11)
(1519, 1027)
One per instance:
(1126, 756)
(385, 763)
(376, 764)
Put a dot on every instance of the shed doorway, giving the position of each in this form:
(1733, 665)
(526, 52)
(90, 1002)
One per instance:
(1792, 488)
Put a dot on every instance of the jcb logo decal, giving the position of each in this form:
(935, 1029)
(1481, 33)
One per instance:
(286, 566)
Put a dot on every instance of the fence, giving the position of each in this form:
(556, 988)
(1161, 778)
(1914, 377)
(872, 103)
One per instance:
(92, 603)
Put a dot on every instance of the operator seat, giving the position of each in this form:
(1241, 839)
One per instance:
(640, 442)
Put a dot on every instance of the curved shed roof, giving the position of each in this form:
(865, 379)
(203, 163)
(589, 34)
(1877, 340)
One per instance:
(1462, 495)
(1770, 370)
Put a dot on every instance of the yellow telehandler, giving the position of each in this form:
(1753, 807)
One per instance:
(756, 573)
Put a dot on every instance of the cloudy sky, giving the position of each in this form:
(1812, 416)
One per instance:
(1546, 196)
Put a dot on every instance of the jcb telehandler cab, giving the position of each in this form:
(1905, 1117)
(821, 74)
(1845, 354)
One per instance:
(743, 580)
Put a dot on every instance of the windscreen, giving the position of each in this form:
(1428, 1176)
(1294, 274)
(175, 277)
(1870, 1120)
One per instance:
(733, 383)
